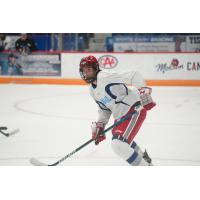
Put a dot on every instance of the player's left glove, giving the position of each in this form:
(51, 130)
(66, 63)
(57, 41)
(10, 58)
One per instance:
(97, 129)
(146, 99)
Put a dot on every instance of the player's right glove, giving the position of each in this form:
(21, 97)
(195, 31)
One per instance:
(97, 129)
(146, 99)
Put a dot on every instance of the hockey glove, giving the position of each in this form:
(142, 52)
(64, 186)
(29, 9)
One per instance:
(97, 129)
(146, 99)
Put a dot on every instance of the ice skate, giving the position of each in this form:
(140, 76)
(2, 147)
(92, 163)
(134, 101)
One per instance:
(147, 158)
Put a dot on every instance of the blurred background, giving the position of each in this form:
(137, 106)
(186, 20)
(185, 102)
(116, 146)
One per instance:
(110, 42)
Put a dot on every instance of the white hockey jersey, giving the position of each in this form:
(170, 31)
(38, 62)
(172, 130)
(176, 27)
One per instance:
(112, 94)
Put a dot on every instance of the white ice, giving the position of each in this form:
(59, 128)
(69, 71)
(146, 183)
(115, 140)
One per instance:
(55, 119)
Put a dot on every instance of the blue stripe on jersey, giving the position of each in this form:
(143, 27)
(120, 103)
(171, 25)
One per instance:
(116, 102)
(102, 106)
(107, 89)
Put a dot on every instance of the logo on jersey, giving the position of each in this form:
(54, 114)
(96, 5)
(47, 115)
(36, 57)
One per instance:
(118, 131)
(107, 62)
(105, 100)
(174, 65)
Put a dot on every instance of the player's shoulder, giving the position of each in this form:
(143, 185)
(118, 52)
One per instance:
(103, 77)
(106, 74)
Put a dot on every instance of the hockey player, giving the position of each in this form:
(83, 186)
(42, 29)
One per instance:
(110, 92)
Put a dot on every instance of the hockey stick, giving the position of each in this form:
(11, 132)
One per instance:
(3, 128)
(8, 134)
(36, 162)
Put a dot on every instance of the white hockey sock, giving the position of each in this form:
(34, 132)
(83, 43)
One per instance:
(125, 151)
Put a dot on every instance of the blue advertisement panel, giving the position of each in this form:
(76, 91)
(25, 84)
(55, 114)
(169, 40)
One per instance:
(143, 39)
(141, 44)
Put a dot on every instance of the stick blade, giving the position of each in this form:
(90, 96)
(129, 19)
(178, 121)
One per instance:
(3, 128)
(36, 162)
(13, 132)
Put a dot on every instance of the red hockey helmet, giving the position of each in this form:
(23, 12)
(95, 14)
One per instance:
(89, 61)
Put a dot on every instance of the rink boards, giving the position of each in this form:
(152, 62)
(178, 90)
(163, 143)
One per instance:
(159, 69)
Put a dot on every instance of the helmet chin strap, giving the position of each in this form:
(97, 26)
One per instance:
(90, 80)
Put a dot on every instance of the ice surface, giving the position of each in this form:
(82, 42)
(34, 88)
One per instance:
(55, 119)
